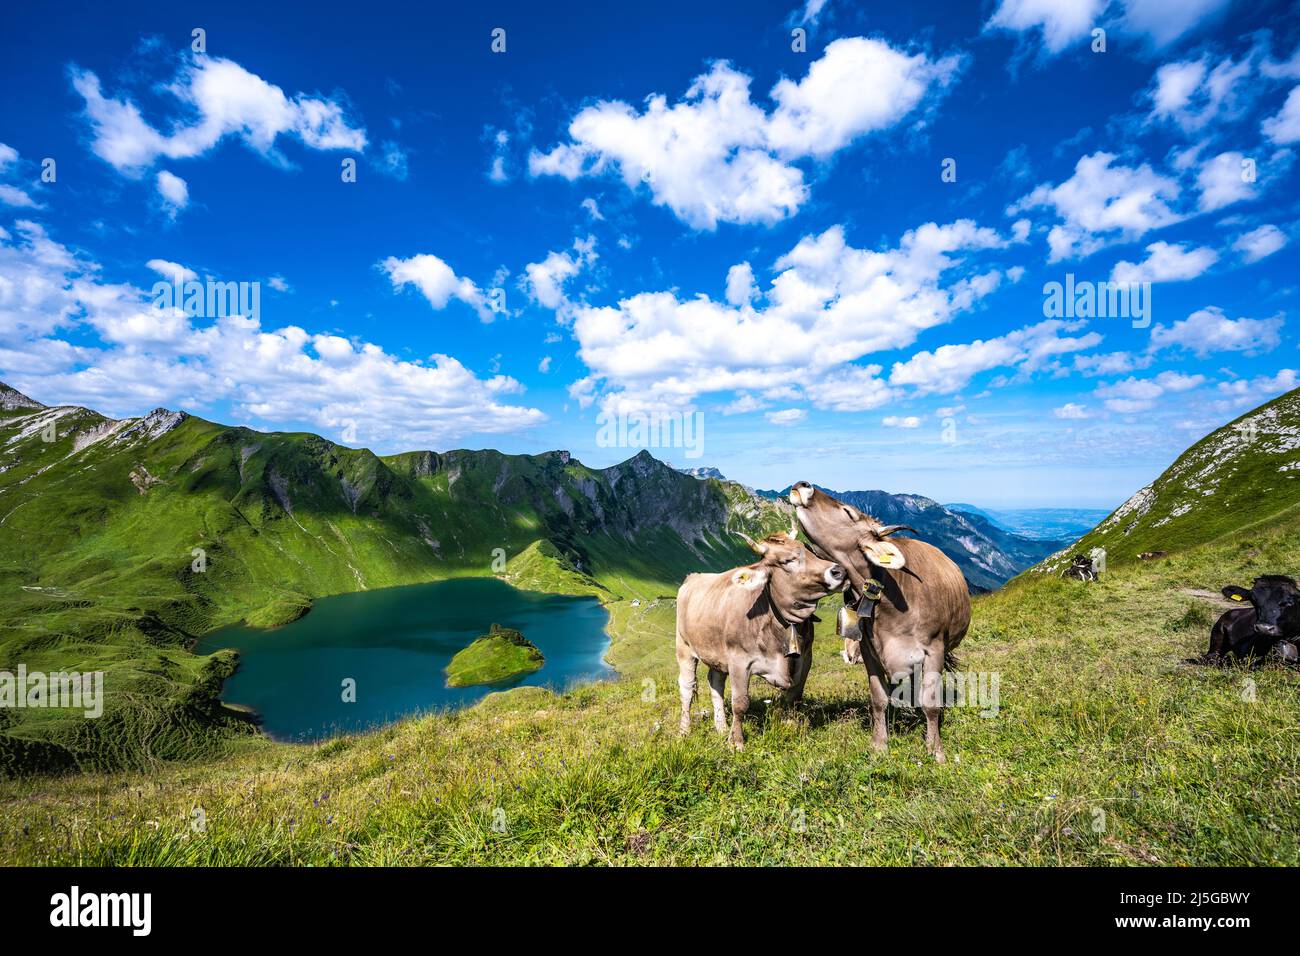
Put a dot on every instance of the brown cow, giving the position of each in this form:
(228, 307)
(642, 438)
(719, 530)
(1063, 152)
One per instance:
(921, 617)
(738, 623)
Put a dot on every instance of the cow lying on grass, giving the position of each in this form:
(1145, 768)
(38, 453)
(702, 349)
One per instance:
(1268, 626)
(1082, 569)
(739, 623)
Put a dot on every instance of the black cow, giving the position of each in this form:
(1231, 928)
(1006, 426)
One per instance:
(1270, 625)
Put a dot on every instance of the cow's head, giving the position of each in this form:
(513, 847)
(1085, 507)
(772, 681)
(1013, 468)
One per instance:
(843, 533)
(1277, 604)
(796, 578)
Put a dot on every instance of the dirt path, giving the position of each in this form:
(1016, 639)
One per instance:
(1214, 597)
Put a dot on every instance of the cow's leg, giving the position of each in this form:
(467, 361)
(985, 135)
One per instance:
(1218, 641)
(932, 700)
(879, 699)
(717, 684)
(739, 702)
(686, 672)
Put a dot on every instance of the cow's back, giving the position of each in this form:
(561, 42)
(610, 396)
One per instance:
(932, 589)
(712, 610)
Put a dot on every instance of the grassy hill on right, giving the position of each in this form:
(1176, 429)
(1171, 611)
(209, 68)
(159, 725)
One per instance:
(1244, 475)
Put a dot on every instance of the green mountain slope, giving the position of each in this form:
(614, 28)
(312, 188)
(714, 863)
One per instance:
(1242, 475)
(122, 541)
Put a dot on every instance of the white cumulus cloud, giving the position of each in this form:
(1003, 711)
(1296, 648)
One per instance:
(174, 191)
(1210, 330)
(827, 305)
(1142, 394)
(1252, 391)
(1222, 181)
(1284, 127)
(217, 98)
(1166, 262)
(717, 156)
(1102, 202)
(436, 281)
(1071, 410)
(1063, 23)
(1260, 243)
(898, 421)
(949, 368)
(788, 416)
(544, 281)
(11, 195)
(172, 271)
(131, 356)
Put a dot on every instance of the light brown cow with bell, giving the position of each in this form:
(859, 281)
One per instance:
(921, 616)
(756, 619)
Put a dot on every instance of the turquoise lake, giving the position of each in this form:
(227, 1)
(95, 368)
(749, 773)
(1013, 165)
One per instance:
(395, 643)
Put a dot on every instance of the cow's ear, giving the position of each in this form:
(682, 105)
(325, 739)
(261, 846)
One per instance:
(885, 554)
(751, 579)
(853, 515)
(1236, 594)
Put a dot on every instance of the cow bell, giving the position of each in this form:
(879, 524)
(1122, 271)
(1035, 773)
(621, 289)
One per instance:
(846, 623)
(792, 645)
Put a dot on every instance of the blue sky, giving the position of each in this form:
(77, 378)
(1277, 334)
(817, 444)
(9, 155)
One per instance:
(669, 213)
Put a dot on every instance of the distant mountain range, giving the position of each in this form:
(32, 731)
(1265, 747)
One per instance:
(1052, 524)
(987, 553)
(702, 473)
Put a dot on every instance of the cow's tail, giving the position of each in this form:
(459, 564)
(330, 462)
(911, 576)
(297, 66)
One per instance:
(951, 662)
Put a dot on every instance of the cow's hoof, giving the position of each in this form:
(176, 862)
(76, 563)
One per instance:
(879, 747)
(939, 757)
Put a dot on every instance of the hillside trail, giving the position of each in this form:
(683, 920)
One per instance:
(1214, 597)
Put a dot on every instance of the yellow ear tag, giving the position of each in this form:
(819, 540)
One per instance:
(1236, 597)
(744, 576)
(885, 558)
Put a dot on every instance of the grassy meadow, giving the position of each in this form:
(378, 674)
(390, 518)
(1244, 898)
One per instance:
(1106, 749)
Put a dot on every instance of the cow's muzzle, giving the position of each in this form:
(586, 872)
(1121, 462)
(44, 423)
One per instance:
(1268, 630)
(835, 577)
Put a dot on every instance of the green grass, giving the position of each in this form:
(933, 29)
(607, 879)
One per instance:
(1105, 750)
(500, 654)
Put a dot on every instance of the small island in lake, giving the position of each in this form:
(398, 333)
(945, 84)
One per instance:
(500, 654)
